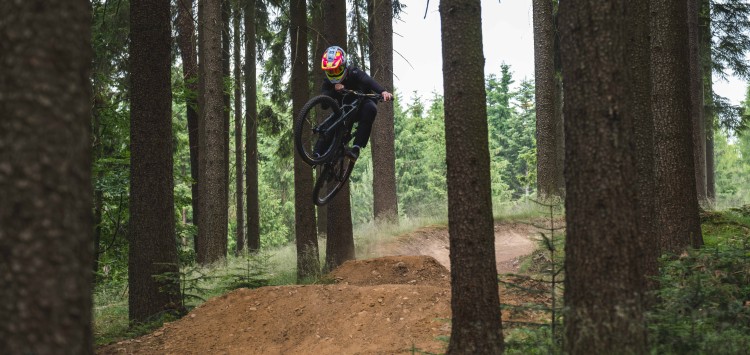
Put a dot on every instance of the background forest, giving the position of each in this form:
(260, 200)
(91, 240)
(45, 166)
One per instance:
(180, 84)
(419, 142)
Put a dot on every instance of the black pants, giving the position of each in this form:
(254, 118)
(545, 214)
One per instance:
(367, 114)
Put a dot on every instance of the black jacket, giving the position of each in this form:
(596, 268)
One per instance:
(357, 80)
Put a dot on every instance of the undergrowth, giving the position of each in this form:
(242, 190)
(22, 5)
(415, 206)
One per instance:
(703, 301)
(705, 295)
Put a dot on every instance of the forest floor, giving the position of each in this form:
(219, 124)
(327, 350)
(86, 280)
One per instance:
(396, 303)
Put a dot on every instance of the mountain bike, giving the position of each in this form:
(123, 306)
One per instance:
(331, 134)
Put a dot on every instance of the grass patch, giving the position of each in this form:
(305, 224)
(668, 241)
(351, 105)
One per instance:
(368, 236)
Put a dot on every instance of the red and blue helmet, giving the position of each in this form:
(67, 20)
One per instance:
(334, 64)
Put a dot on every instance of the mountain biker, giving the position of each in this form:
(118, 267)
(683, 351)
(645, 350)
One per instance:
(340, 75)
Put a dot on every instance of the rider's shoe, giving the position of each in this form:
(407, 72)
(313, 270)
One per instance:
(353, 152)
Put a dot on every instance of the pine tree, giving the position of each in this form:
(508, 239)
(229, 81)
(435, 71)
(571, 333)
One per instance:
(251, 128)
(604, 283)
(385, 204)
(476, 327)
(153, 246)
(340, 236)
(677, 203)
(213, 172)
(306, 233)
(45, 180)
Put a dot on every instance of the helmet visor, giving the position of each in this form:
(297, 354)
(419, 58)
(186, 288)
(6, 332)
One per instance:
(335, 71)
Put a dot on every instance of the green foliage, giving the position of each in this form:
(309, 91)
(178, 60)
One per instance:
(360, 189)
(253, 274)
(732, 168)
(111, 138)
(511, 118)
(191, 279)
(276, 193)
(530, 340)
(420, 157)
(730, 22)
(704, 299)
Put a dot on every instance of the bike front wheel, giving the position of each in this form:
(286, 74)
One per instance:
(331, 179)
(315, 144)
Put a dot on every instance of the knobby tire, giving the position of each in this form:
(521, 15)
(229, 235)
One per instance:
(331, 179)
(306, 121)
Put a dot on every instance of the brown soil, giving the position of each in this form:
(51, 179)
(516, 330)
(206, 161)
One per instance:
(386, 305)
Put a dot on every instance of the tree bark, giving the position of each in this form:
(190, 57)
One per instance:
(212, 242)
(308, 264)
(559, 114)
(385, 204)
(639, 61)
(545, 82)
(677, 203)
(46, 231)
(236, 18)
(153, 246)
(340, 236)
(319, 46)
(186, 43)
(604, 282)
(704, 37)
(696, 101)
(226, 74)
(251, 131)
(476, 325)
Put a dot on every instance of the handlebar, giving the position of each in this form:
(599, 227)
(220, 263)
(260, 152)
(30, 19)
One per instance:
(357, 93)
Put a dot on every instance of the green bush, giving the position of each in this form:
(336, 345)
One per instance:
(704, 300)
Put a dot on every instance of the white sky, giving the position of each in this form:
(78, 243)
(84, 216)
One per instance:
(508, 38)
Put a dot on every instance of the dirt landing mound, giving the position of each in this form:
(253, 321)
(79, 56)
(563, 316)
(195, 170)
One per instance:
(387, 305)
(378, 317)
(410, 270)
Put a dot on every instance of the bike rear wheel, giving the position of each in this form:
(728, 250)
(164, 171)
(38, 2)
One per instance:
(307, 130)
(332, 178)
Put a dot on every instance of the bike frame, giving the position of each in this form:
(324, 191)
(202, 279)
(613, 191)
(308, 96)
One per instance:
(332, 123)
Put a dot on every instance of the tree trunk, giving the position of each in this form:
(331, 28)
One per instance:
(476, 326)
(308, 264)
(604, 282)
(212, 244)
(46, 231)
(559, 115)
(319, 45)
(677, 217)
(639, 60)
(153, 248)
(696, 101)
(385, 204)
(251, 131)
(236, 18)
(704, 37)
(545, 82)
(340, 237)
(226, 74)
(186, 43)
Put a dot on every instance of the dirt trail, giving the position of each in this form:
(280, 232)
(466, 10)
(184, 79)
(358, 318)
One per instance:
(512, 241)
(386, 305)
